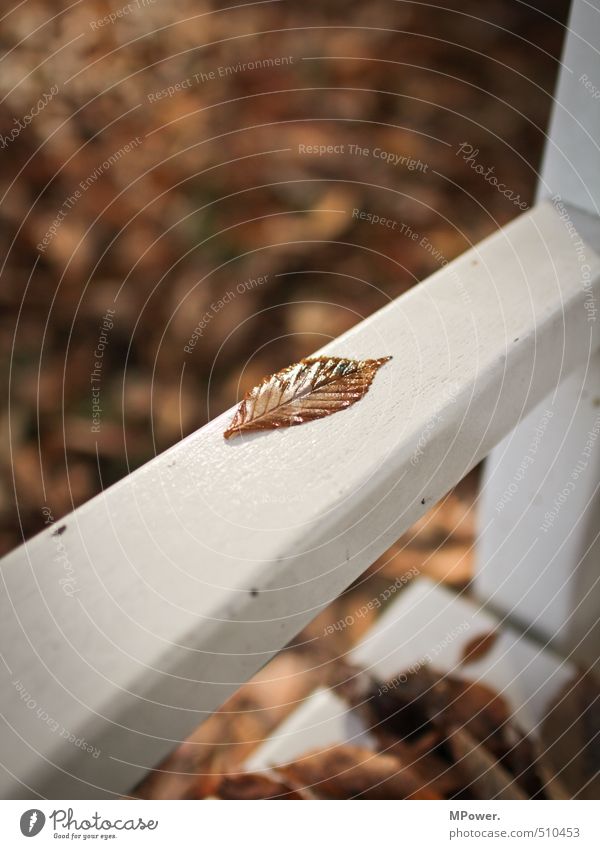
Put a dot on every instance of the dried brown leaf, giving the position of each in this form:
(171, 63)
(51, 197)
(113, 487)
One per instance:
(308, 390)
(414, 715)
(570, 737)
(487, 778)
(346, 772)
(414, 703)
(479, 646)
(427, 758)
(553, 787)
(255, 786)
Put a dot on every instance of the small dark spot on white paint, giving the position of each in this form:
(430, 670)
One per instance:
(422, 501)
(59, 531)
(517, 339)
(253, 592)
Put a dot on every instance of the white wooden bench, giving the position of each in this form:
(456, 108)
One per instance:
(187, 576)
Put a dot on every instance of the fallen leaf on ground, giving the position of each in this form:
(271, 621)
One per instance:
(344, 772)
(251, 785)
(570, 737)
(483, 774)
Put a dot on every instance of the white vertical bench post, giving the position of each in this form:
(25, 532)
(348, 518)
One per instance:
(538, 557)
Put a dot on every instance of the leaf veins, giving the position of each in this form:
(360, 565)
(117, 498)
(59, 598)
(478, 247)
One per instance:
(308, 390)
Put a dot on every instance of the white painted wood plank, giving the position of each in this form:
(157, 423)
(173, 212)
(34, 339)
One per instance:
(538, 560)
(426, 621)
(193, 571)
(572, 156)
(540, 504)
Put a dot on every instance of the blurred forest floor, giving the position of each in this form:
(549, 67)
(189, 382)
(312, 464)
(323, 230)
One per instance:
(210, 185)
